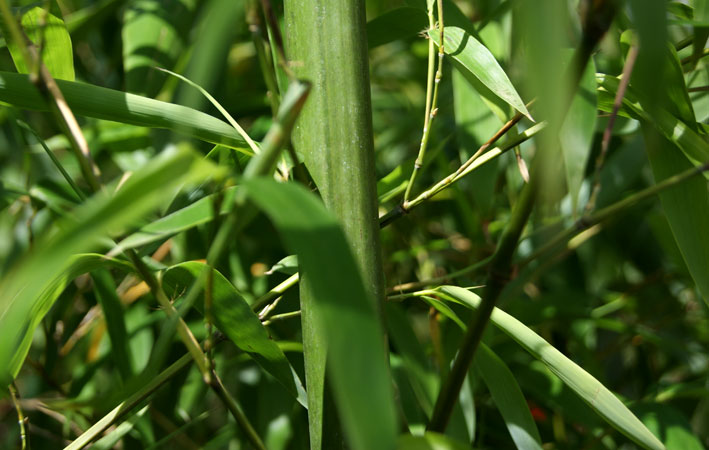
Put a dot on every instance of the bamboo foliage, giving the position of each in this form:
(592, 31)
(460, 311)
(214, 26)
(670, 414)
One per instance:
(148, 279)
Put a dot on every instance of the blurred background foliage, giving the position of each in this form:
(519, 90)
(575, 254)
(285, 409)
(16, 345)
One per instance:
(619, 301)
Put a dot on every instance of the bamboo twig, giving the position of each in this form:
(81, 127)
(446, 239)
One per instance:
(589, 220)
(605, 143)
(465, 169)
(431, 100)
(22, 420)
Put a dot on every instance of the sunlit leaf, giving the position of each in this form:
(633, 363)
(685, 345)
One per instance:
(477, 60)
(49, 33)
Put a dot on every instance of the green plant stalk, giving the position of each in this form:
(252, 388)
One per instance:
(438, 280)
(431, 103)
(327, 45)
(267, 69)
(589, 220)
(127, 405)
(283, 316)
(464, 170)
(108, 104)
(238, 414)
(276, 292)
(498, 275)
(605, 143)
(21, 419)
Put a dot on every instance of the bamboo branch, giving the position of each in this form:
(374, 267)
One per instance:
(589, 220)
(431, 103)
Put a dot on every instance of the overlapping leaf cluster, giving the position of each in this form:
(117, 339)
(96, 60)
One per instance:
(155, 306)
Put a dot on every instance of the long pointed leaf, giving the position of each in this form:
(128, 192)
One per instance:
(479, 62)
(598, 397)
(358, 368)
(108, 104)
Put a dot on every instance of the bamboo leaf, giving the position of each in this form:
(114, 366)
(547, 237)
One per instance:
(28, 290)
(686, 206)
(108, 104)
(196, 213)
(509, 399)
(477, 60)
(598, 397)
(234, 317)
(49, 33)
(105, 290)
(287, 265)
(360, 378)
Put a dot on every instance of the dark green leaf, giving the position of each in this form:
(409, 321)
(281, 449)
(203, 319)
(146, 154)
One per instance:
(358, 367)
(234, 317)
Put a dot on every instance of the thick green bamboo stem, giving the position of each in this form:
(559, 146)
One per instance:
(326, 43)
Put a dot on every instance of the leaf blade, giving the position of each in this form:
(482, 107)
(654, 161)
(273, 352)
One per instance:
(598, 397)
(480, 62)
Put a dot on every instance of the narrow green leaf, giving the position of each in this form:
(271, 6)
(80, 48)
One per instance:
(424, 381)
(478, 60)
(399, 23)
(29, 289)
(598, 397)
(128, 404)
(196, 213)
(287, 265)
(108, 104)
(52, 34)
(105, 290)
(234, 317)
(688, 140)
(685, 205)
(360, 378)
(509, 399)
(576, 133)
(217, 105)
